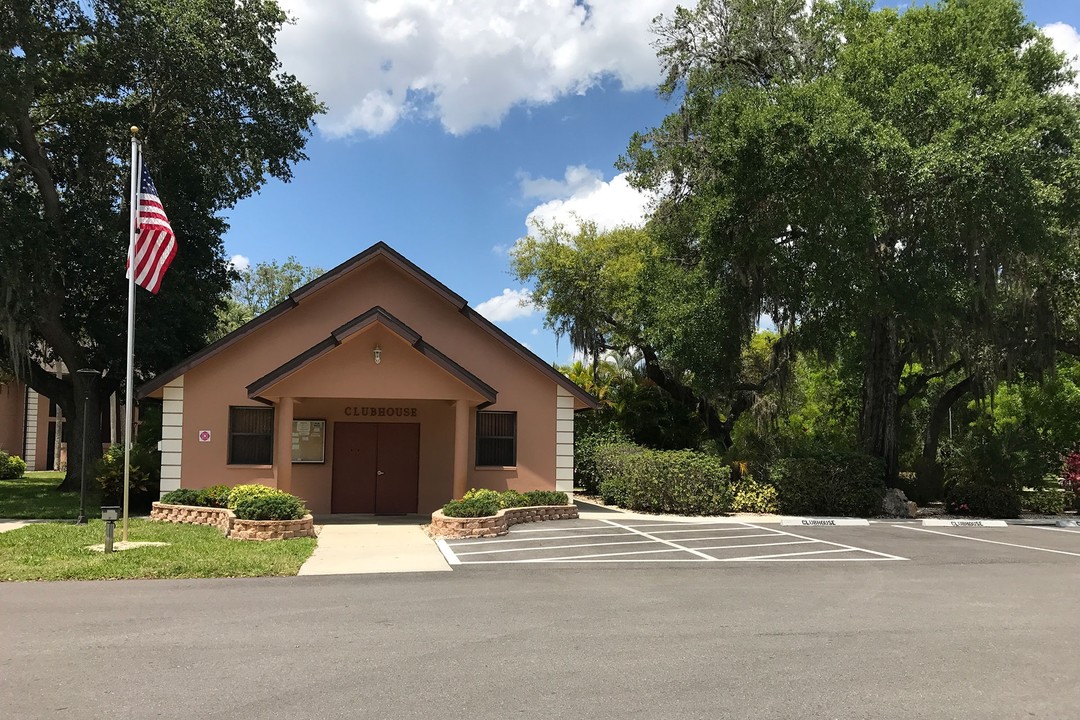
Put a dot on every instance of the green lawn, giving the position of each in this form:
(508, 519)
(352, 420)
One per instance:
(35, 497)
(57, 551)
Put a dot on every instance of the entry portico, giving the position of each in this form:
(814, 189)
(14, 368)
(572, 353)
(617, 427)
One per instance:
(372, 389)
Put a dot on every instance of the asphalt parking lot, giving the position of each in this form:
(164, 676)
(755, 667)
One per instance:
(724, 542)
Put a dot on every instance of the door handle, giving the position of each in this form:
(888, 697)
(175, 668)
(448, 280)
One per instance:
(379, 472)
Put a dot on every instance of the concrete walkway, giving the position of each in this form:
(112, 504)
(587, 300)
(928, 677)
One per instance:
(6, 525)
(367, 544)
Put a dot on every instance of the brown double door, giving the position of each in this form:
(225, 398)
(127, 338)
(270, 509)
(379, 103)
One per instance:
(376, 468)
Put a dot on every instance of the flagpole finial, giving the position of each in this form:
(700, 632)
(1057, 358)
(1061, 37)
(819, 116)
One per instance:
(134, 130)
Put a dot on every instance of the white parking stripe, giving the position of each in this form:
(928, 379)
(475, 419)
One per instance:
(687, 524)
(553, 547)
(560, 529)
(1044, 527)
(701, 555)
(448, 554)
(828, 542)
(786, 555)
(737, 547)
(707, 529)
(992, 542)
(474, 543)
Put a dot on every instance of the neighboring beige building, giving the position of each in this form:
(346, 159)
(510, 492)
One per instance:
(372, 389)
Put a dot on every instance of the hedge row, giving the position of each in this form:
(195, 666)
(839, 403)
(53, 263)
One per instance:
(686, 482)
(248, 502)
(683, 482)
(483, 503)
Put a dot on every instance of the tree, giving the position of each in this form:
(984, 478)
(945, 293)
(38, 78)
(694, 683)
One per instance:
(615, 292)
(257, 289)
(908, 179)
(218, 116)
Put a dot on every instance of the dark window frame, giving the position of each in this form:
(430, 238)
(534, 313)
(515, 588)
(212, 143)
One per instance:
(487, 461)
(232, 460)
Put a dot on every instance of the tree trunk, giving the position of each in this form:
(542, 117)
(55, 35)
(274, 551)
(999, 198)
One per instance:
(930, 480)
(879, 421)
(83, 430)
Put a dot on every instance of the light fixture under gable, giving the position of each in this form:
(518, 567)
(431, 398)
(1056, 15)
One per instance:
(377, 352)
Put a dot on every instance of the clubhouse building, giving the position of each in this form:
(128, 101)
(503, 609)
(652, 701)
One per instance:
(372, 389)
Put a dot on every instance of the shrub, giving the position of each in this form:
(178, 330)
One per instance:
(475, 506)
(142, 478)
(183, 496)
(1044, 502)
(274, 505)
(1070, 477)
(590, 437)
(11, 466)
(752, 496)
(242, 492)
(513, 499)
(483, 495)
(982, 500)
(215, 496)
(545, 497)
(684, 482)
(829, 483)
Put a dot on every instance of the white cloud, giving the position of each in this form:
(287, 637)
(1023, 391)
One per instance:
(240, 262)
(534, 331)
(465, 62)
(575, 179)
(510, 305)
(1066, 40)
(583, 195)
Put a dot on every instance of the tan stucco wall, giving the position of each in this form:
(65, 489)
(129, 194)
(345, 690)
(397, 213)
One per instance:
(12, 409)
(211, 387)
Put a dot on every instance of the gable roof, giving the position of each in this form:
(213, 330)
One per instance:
(376, 251)
(357, 324)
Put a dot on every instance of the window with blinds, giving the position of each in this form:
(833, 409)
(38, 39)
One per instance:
(251, 436)
(496, 439)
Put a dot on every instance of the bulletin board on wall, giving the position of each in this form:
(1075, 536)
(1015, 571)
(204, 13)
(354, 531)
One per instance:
(309, 441)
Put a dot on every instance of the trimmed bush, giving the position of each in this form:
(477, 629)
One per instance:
(274, 505)
(752, 496)
(12, 467)
(982, 500)
(475, 506)
(1044, 502)
(683, 482)
(183, 496)
(142, 479)
(545, 497)
(589, 438)
(215, 496)
(829, 483)
(513, 499)
(242, 492)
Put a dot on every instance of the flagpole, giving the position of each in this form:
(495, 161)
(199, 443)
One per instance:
(133, 207)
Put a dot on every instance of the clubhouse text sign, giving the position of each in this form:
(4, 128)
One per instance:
(372, 411)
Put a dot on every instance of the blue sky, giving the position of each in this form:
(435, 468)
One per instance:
(450, 124)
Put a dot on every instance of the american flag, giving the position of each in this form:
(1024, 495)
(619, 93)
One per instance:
(155, 243)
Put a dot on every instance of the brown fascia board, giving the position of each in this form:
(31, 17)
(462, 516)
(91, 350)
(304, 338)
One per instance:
(379, 249)
(531, 357)
(338, 336)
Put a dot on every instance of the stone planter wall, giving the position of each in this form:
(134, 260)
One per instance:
(498, 524)
(221, 518)
(232, 526)
(271, 529)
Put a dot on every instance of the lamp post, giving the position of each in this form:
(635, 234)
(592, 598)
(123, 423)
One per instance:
(89, 375)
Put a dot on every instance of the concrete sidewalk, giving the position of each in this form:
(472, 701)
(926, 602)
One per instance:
(6, 525)
(590, 510)
(366, 544)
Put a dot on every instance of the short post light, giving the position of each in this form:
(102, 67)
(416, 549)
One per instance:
(377, 352)
(110, 513)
